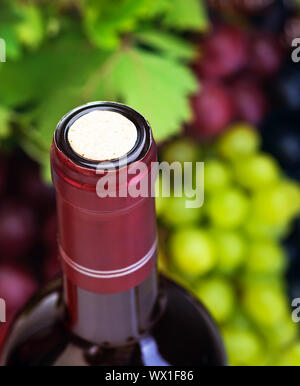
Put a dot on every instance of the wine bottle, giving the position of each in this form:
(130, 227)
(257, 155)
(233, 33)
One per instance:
(110, 307)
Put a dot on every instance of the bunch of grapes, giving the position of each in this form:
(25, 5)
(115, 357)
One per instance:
(237, 65)
(229, 252)
(28, 253)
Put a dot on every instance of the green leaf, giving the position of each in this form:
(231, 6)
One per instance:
(4, 122)
(69, 72)
(187, 14)
(57, 79)
(31, 29)
(8, 12)
(156, 86)
(168, 44)
(48, 83)
(13, 46)
(105, 21)
(154, 9)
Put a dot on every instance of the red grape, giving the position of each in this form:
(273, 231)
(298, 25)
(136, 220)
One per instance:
(265, 54)
(3, 171)
(291, 29)
(253, 6)
(4, 329)
(250, 100)
(33, 190)
(16, 286)
(212, 109)
(17, 229)
(50, 231)
(222, 53)
(52, 267)
(245, 6)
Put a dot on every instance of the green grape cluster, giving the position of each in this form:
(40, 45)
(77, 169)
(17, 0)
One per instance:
(229, 251)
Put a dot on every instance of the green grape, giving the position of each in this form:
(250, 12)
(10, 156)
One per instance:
(239, 320)
(274, 205)
(292, 191)
(244, 347)
(216, 175)
(266, 305)
(266, 257)
(162, 263)
(228, 209)
(181, 150)
(218, 295)
(256, 229)
(249, 280)
(159, 199)
(238, 141)
(231, 250)
(176, 214)
(281, 334)
(192, 251)
(160, 205)
(256, 171)
(291, 357)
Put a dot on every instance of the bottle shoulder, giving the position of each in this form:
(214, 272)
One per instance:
(184, 334)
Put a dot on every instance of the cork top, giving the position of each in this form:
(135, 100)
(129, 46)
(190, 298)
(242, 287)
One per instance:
(102, 135)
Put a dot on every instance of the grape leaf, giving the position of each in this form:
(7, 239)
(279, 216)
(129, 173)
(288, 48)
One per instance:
(167, 43)
(105, 21)
(67, 71)
(70, 73)
(8, 12)
(46, 71)
(48, 84)
(31, 29)
(4, 123)
(187, 14)
(13, 48)
(156, 86)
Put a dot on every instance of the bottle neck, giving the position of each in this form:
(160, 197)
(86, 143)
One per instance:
(111, 319)
(109, 265)
(107, 232)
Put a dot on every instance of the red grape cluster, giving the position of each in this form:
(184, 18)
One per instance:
(246, 6)
(234, 66)
(28, 253)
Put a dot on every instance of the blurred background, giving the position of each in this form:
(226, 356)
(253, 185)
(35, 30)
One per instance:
(219, 82)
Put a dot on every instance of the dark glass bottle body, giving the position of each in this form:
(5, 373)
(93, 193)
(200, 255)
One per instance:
(110, 308)
(181, 333)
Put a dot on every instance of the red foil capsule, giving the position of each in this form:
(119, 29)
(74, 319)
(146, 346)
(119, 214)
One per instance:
(107, 245)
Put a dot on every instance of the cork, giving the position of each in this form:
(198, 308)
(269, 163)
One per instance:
(102, 135)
